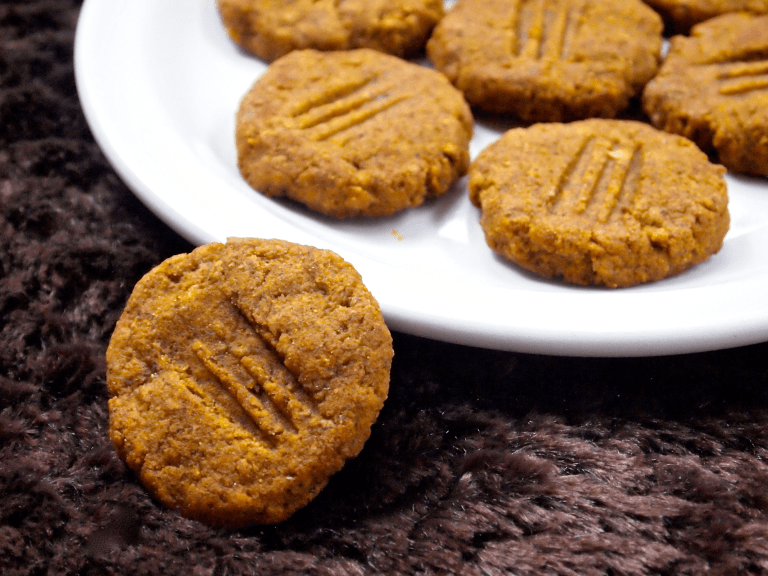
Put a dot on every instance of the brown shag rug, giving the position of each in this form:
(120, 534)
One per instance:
(481, 463)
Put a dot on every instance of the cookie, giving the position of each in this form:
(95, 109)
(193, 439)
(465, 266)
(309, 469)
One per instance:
(713, 89)
(548, 60)
(354, 133)
(272, 28)
(600, 202)
(243, 375)
(681, 15)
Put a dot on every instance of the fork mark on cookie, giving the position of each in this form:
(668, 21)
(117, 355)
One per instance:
(558, 195)
(331, 95)
(741, 77)
(345, 107)
(595, 179)
(626, 164)
(350, 102)
(276, 408)
(241, 390)
(355, 113)
(543, 33)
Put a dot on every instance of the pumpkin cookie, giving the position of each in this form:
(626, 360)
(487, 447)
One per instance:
(548, 60)
(681, 15)
(243, 375)
(272, 28)
(713, 89)
(356, 133)
(604, 202)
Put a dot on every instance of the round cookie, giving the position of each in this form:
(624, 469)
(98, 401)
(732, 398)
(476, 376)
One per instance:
(713, 89)
(548, 60)
(681, 15)
(243, 375)
(272, 28)
(356, 133)
(599, 202)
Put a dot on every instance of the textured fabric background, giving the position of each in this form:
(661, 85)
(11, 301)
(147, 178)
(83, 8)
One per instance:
(481, 463)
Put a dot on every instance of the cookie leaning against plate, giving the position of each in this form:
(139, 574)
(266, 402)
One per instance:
(356, 133)
(681, 15)
(713, 89)
(548, 60)
(272, 28)
(600, 202)
(243, 375)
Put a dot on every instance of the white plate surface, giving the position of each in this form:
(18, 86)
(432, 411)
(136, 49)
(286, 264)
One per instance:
(160, 81)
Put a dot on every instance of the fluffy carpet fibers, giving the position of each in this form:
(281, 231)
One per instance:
(481, 463)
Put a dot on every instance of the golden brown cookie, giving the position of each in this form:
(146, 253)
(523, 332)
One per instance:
(681, 15)
(356, 133)
(243, 375)
(272, 28)
(604, 202)
(548, 60)
(713, 89)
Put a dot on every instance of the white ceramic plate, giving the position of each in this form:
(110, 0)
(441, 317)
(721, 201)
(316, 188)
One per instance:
(160, 81)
